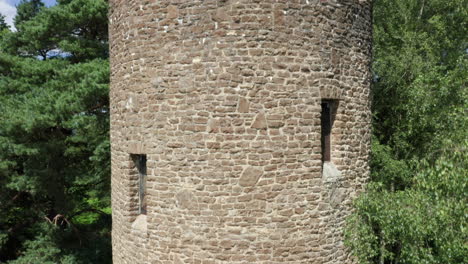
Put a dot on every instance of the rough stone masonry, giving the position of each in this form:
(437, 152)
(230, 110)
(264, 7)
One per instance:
(222, 102)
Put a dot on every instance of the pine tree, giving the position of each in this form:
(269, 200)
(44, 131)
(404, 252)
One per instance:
(3, 24)
(54, 136)
(27, 10)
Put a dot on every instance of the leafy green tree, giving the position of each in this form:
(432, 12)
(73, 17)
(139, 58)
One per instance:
(420, 66)
(54, 137)
(414, 208)
(26, 10)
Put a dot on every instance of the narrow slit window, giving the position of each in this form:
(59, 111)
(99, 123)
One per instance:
(326, 123)
(140, 164)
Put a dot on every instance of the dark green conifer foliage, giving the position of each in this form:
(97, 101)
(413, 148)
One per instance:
(54, 136)
(3, 24)
(27, 10)
(414, 210)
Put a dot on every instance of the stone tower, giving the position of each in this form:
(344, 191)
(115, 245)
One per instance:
(240, 129)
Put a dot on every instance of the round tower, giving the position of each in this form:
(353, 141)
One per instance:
(240, 129)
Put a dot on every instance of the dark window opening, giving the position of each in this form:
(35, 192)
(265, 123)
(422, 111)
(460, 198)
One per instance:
(140, 164)
(328, 109)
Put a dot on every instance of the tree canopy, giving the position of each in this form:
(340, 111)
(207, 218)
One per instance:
(54, 135)
(27, 10)
(414, 210)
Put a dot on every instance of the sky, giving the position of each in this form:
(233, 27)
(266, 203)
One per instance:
(8, 8)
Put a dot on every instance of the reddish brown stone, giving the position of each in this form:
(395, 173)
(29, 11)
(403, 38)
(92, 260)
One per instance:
(172, 12)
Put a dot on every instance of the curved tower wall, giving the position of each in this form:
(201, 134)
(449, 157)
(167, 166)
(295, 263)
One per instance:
(224, 99)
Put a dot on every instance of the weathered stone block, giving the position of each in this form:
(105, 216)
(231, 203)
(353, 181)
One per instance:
(260, 121)
(250, 176)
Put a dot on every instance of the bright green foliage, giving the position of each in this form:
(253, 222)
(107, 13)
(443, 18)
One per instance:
(54, 137)
(426, 223)
(414, 210)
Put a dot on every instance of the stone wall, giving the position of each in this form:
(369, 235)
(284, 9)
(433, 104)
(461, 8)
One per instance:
(224, 97)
